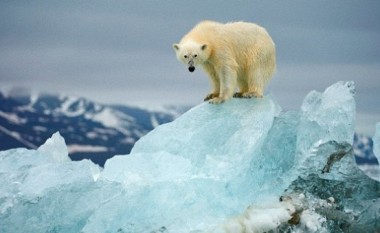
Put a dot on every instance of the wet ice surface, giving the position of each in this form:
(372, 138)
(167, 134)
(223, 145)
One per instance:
(217, 168)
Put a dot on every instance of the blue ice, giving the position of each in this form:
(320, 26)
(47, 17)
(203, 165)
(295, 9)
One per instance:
(190, 175)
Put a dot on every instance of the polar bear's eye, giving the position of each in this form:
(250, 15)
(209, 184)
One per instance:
(185, 56)
(195, 55)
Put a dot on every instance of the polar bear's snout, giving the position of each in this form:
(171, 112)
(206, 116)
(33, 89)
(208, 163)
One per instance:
(191, 66)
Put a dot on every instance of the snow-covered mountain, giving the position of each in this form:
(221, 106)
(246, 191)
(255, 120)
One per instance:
(91, 130)
(363, 149)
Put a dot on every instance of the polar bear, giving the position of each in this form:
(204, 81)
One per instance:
(237, 54)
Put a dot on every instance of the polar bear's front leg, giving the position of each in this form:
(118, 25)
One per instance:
(227, 79)
(215, 88)
(214, 81)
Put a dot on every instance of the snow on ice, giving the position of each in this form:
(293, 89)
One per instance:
(243, 166)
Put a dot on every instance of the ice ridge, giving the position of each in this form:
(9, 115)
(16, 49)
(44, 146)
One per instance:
(242, 166)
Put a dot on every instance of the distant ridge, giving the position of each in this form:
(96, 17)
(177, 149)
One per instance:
(27, 120)
(91, 130)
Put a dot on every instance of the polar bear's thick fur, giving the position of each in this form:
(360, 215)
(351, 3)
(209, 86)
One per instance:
(233, 54)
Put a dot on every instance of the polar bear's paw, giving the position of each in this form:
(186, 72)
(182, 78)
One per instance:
(247, 95)
(211, 96)
(238, 95)
(217, 100)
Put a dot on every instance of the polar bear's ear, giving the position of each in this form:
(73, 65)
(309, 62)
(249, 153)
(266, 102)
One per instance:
(203, 47)
(176, 47)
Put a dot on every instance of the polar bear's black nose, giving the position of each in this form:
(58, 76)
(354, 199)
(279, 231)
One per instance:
(191, 68)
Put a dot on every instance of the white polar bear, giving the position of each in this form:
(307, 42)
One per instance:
(233, 54)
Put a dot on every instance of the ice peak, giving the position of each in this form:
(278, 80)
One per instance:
(56, 148)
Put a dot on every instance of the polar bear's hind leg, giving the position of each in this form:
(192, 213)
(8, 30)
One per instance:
(253, 86)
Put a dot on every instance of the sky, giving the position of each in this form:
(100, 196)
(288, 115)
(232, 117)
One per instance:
(120, 52)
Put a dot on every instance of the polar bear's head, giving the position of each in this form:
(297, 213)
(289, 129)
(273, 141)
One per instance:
(191, 53)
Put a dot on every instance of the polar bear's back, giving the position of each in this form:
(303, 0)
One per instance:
(237, 38)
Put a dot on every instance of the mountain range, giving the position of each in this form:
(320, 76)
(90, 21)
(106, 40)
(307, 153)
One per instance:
(92, 130)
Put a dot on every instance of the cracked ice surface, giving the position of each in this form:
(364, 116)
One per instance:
(217, 168)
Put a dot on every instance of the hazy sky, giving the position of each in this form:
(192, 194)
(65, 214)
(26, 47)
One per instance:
(120, 51)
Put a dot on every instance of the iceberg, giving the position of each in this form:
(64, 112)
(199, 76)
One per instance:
(243, 166)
